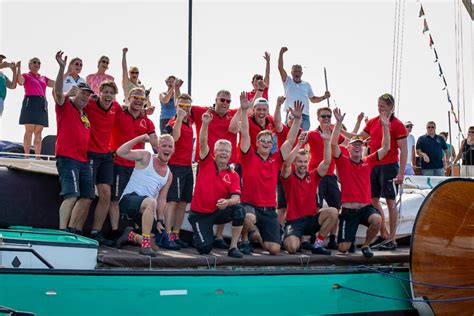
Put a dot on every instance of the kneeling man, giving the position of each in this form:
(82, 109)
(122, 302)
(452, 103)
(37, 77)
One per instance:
(144, 197)
(216, 197)
(301, 186)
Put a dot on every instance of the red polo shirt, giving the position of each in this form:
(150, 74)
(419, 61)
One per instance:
(282, 136)
(218, 129)
(301, 194)
(183, 148)
(251, 94)
(375, 130)
(355, 178)
(212, 185)
(102, 123)
(316, 150)
(73, 133)
(260, 178)
(126, 128)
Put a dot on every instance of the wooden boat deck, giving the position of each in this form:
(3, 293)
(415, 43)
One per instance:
(128, 257)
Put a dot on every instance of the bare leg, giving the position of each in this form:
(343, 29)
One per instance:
(79, 213)
(148, 214)
(383, 230)
(292, 244)
(179, 216)
(236, 231)
(29, 130)
(65, 211)
(37, 141)
(272, 247)
(392, 218)
(249, 223)
(375, 221)
(327, 220)
(114, 214)
(102, 207)
(220, 231)
(170, 211)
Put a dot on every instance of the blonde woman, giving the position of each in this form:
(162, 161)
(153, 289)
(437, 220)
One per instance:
(94, 80)
(72, 78)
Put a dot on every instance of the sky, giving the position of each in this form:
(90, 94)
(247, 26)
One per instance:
(352, 39)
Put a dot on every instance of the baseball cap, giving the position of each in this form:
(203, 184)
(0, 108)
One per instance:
(85, 87)
(3, 56)
(260, 101)
(356, 139)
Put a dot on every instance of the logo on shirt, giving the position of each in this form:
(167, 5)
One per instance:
(143, 123)
(308, 180)
(226, 178)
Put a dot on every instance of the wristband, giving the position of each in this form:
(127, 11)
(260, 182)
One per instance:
(261, 90)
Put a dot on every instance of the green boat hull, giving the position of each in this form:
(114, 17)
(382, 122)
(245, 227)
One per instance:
(194, 292)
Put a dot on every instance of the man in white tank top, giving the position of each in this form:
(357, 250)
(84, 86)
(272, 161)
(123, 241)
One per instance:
(144, 197)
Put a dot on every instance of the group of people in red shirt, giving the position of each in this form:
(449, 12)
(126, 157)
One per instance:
(239, 180)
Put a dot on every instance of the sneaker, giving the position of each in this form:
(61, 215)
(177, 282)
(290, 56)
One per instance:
(163, 240)
(245, 247)
(388, 246)
(181, 243)
(320, 251)
(379, 241)
(70, 230)
(123, 240)
(306, 245)
(99, 237)
(234, 253)
(352, 248)
(367, 252)
(146, 251)
(220, 244)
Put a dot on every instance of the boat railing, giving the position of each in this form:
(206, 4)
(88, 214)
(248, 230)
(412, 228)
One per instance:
(5, 154)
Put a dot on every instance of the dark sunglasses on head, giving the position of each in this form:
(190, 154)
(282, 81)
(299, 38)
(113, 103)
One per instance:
(388, 97)
(324, 116)
(225, 100)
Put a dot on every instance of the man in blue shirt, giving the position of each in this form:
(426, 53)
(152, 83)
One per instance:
(433, 152)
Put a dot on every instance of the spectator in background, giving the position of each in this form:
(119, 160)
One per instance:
(94, 80)
(72, 74)
(168, 109)
(433, 152)
(34, 111)
(266, 80)
(451, 150)
(411, 157)
(466, 152)
(5, 82)
(130, 80)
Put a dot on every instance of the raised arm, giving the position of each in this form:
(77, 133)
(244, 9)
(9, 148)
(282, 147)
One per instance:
(244, 125)
(125, 77)
(360, 117)
(266, 79)
(203, 145)
(165, 97)
(297, 112)
(58, 85)
(281, 69)
(385, 121)
(336, 151)
(277, 114)
(12, 84)
(234, 125)
(286, 168)
(180, 114)
(324, 165)
(19, 78)
(137, 155)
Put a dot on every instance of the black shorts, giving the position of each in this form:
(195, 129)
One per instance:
(130, 205)
(34, 110)
(181, 189)
(381, 181)
(267, 222)
(203, 223)
(75, 178)
(350, 219)
(303, 226)
(329, 190)
(102, 167)
(281, 198)
(122, 175)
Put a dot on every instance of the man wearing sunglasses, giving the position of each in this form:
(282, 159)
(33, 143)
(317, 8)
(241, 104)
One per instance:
(297, 89)
(94, 80)
(71, 147)
(260, 171)
(433, 150)
(387, 173)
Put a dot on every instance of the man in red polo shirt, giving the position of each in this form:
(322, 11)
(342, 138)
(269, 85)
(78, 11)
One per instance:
(181, 190)
(303, 217)
(71, 146)
(259, 176)
(387, 174)
(261, 83)
(354, 175)
(129, 123)
(216, 197)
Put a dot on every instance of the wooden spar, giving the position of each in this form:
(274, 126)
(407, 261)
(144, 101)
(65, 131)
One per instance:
(442, 247)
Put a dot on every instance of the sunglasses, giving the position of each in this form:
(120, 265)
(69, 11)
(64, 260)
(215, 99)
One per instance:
(408, 126)
(471, 132)
(134, 72)
(139, 97)
(430, 127)
(325, 116)
(105, 61)
(225, 100)
(78, 64)
(266, 141)
(36, 62)
(85, 121)
(184, 105)
(387, 97)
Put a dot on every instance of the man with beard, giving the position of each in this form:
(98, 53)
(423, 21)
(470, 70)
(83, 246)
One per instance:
(144, 197)
(71, 146)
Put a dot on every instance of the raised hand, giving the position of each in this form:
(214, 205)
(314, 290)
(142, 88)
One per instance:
(326, 133)
(18, 64)
(180, 113)
(59, 58)
(338, 115)
(360, 117)
(73, 91)
(266, 56)
(283, 50)
(261, 85)
(327, 95)
(145, 138)
(244, 102)
(384, 119)
(125, 50)
(178, 83)
(150, 110)
(303, 138)
(297, 109)
(280, 101)
(206, 117)
(366, 119)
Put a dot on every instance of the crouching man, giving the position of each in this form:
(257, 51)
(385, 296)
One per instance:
(303, 217)
(144, 197)
(216, 197)
(354, 175)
